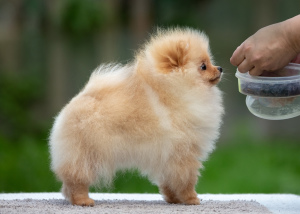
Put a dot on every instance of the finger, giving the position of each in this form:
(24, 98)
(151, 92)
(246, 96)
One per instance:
(245, 66)
(237, 56)
(296, 59)
(255, 71)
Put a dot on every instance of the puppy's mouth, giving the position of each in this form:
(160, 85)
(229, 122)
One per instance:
(215, 80)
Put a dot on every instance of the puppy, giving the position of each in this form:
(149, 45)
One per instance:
(160, 114)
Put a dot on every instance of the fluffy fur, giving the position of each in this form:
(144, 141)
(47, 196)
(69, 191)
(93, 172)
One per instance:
(160, 114)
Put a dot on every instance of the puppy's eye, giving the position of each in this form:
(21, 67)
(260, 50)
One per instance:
(203, 67)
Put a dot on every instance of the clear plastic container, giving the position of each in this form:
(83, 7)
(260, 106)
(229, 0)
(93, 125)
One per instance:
(274, 95)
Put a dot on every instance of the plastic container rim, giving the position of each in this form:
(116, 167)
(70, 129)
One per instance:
(249, 78)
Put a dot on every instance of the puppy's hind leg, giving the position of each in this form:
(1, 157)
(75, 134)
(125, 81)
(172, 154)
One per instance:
(77, 176)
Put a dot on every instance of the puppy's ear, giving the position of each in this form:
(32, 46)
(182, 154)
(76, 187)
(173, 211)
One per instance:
(171, 56)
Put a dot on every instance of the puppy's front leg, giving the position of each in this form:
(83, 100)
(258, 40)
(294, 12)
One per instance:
(169, 194)
(179, 186)
(78, 194)
(188, 195)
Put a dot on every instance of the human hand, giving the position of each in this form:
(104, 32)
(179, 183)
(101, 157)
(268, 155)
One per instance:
(296, 59)
(268, 49)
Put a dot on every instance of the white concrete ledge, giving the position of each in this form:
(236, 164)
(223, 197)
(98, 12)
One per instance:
(276, 203)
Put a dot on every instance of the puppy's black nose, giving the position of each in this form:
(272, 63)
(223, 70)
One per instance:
(220, 69)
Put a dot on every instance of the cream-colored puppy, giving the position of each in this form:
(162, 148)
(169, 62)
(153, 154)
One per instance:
(160, 114)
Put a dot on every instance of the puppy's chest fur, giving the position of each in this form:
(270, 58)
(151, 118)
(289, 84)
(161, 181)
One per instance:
(172, 112)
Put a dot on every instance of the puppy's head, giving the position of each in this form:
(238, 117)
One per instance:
(184, 52)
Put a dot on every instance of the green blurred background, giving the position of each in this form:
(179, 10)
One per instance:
(48, 49)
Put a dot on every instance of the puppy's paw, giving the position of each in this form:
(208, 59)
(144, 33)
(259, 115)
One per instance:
(84, 202)
(169, 195)
(192, 201)
(172, 200)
